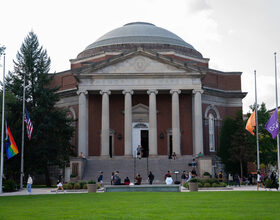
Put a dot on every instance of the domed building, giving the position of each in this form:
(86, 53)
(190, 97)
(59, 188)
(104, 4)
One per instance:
(142, 85)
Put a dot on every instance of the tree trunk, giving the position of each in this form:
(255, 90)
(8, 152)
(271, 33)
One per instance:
(47, 177)
(241, 168)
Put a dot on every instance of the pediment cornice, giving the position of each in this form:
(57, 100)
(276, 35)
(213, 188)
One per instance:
(138, 63)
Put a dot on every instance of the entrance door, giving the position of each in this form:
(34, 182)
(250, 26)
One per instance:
(170, 147)
(145, 143)
(110, 147)
(140, 136)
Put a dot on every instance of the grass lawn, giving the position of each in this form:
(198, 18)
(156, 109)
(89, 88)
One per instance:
(138, 205)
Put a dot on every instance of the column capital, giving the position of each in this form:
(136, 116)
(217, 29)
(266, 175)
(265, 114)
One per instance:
(105, 91)
(194, 91)
(178, 91)
(150, 91)
(79, 92)
(130, 91)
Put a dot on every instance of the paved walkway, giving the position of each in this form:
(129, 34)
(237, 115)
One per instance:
(43, 191)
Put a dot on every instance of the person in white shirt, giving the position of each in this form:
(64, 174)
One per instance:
(190, 176)
(259, 180)
(168, 180)
(29, 183)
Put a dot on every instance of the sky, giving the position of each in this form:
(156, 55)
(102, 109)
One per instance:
(236, 35)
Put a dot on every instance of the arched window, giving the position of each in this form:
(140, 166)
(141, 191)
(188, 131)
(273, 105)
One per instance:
(211, 133)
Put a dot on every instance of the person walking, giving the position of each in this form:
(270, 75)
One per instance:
(139, 152)
(100, 179)
(220, 176)
(190, 177)
(151, 178)
(259, 180)
(230, 179)
(112, 178)
(59, 184)
(183, 178)
(29, 183)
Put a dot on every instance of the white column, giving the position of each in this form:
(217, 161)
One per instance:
(152, 122)
(83, 123)
(176, 136)
(105, 123)
(127, 122)
(197, 116)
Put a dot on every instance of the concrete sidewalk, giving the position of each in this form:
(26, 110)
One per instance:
(241, 188)
(40, 191)
(44, 191)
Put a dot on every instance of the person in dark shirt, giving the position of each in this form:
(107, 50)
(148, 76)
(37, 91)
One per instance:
(151, 178)
(126, 181)
(138, 179)
(117, 179)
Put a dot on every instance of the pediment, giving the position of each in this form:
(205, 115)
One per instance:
(139, 64)
(140, 108)
(140, 113)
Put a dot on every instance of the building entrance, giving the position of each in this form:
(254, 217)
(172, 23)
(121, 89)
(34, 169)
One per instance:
(170, 147)
(145, 143)
(140, 136)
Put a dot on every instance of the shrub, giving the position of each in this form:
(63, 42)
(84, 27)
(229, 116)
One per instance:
(209, 180)
(64, 186)
(69, 186)
(193, 180)
(206, 174)
(213, 180)
(186, 185)
(223, 184)
(82, 184)
(243, 183)
(207, 185)
(9, 185)
(72, 184)
(77, 186)
(85, 186)
(200, 184)
(91, 182)
(215, 185)
(268, 183)
(73, 175)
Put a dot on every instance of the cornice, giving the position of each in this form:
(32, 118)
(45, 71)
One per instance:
(224, 93)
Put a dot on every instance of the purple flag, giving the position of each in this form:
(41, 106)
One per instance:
(272, 124)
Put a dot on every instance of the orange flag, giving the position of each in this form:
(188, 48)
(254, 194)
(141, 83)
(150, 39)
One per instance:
(251, 123)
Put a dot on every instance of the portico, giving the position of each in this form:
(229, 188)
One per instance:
(146, 77)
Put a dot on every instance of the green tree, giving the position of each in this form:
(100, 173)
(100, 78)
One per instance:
(229, 127)
(11, 166)
(52, 131)
(268, 151)
(242, 149)
(236, 147)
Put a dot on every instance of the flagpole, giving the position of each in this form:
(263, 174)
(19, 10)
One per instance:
(22, 136)
(257, 124)
(2, 135)
(276, 95)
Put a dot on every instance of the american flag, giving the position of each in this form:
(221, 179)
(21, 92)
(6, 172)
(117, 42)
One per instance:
(29, 126)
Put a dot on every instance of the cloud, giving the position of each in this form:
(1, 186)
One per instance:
(199, 5)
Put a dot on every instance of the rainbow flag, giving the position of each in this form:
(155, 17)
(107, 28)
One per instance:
(11, 147)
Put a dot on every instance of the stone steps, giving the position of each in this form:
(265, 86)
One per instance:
(129, 167)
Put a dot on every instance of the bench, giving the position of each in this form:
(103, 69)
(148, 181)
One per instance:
(142, 188)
